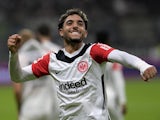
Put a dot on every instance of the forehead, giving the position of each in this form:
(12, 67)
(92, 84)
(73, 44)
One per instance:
(74, 17)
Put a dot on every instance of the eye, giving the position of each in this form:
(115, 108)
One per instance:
(69, 22)
(80, 23)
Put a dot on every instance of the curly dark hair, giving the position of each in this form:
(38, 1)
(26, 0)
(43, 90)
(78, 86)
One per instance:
(71, 12)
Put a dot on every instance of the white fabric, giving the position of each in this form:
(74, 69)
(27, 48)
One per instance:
(80, 93)
(38, 96)
(48, 45)
(86, 101)
(128, 60)
(115, 89)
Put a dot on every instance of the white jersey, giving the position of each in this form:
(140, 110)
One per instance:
(48, 45)
(115, 89)
(79, 83)
(78, 77)
(37, 95)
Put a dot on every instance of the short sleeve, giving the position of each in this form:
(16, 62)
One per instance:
(40, 66)
(99, 52)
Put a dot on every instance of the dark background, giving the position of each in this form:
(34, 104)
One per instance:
(133, 25)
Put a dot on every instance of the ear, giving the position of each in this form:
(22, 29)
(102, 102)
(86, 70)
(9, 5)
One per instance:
(61, 32)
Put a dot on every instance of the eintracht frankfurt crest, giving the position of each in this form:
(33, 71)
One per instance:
(82, 66)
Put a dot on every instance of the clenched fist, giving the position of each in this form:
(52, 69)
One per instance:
(149, 73)
(14, 43)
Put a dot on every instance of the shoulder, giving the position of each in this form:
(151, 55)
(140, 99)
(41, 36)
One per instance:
(99, 52)
(101, 46)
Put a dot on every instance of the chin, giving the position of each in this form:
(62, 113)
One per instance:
(76, 40)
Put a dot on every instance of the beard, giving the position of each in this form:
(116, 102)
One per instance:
(72, 41)
(75, 40)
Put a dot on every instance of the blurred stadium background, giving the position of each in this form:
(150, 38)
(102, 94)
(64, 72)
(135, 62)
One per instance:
(134, 26)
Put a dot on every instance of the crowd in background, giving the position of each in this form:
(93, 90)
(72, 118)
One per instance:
(133, 25)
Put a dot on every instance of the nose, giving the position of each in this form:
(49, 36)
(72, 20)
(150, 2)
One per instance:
(75, 25)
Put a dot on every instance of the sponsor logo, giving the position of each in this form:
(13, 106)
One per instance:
(72, 87)
(82, 66)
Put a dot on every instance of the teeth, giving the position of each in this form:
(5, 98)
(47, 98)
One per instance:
(75, 33)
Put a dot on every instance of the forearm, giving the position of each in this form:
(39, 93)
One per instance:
(17, 73)
(128, 60)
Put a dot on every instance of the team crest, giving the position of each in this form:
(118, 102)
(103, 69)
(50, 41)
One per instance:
(82, 66)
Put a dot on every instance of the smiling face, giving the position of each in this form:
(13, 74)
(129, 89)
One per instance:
(73, 29)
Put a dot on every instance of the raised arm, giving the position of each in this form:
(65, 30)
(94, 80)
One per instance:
(147, 71)
(17, 73)
(13, 43)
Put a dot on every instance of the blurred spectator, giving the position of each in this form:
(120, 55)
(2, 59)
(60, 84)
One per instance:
(34, 98)
(115, 83)
(43, 34)
(154, 53)
(20, 13)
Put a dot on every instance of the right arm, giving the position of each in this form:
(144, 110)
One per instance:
(17, 73)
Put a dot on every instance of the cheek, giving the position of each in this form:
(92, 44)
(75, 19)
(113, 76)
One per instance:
(63, 33)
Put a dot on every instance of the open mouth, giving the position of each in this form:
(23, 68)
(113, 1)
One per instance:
(75, 33)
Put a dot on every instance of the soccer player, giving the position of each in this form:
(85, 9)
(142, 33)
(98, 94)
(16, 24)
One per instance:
(76, 69)
(32, 95)
(43, 34)
(115, 89)
(114, 83)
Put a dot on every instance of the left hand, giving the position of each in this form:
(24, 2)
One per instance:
(149, 73)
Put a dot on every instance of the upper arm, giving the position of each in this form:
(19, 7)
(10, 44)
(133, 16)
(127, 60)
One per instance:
(99, 52)
(40, 67)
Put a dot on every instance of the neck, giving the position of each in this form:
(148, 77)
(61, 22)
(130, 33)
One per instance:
(72, 47)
